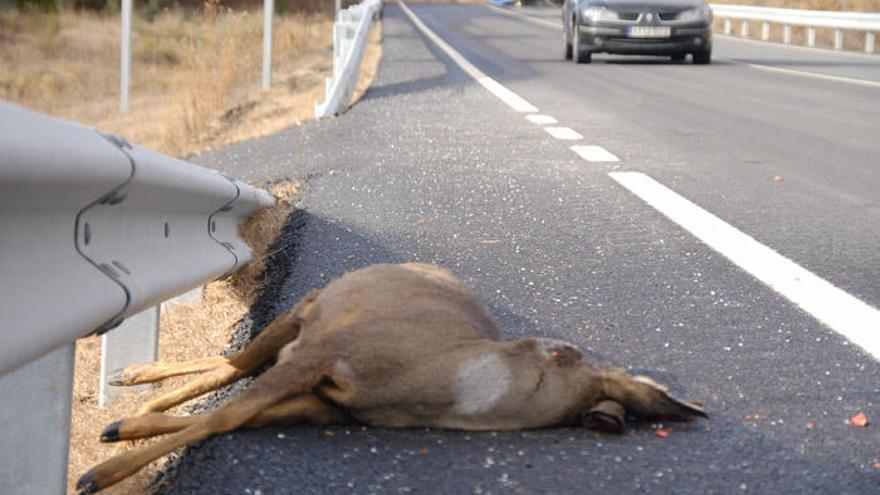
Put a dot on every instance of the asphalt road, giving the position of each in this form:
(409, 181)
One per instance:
(429, 166)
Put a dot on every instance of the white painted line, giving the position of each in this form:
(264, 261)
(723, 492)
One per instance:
(529, 18)
(563, 133)
(594, 153)
(541, 119)
(512, 99)
(813, 75)
(843, 313)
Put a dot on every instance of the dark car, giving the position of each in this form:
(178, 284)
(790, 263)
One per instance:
(638, 27)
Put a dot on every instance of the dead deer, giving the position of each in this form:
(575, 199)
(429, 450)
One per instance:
(391, 346)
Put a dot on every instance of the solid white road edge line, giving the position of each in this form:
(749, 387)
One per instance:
(563, 133)
(541, 119)
(594, 153)
(512, 99)
(842, 312)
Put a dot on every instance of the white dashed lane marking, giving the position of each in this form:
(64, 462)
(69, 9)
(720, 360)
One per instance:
(840, 311)
(541, 119)
(594, 153)
(563, 133)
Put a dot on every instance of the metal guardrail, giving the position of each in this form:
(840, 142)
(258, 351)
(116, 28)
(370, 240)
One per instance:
(811, 19)
(93, 229)
(350, 34)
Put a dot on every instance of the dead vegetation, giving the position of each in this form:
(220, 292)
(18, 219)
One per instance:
(189, 330)
(195, 77)
(182, 102)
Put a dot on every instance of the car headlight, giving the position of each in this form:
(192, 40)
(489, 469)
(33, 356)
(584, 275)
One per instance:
(701, 13)
(596, 14)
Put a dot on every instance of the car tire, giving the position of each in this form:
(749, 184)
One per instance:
(579, 55)
(703, 58)
(567, 49)
(678, 57)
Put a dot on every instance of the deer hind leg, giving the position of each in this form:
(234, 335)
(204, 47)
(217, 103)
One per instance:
(220, 371)
(303, 408)
(272, 387)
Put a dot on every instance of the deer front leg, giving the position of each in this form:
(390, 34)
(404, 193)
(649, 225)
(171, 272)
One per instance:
(273, 386)
(607, 415)
(304, 408)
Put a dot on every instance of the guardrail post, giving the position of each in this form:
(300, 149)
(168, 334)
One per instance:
(786, 34)
(35, 424)
(765, 31)
(838, 39)
(728, 26)
(811, 36)
(135, 341)
(869, 42)
(268, 12)
(125, 57)
(744, 29)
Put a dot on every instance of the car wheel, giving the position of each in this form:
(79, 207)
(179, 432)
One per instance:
(579, 55)
(678, 57)
(703, 58)
(567, 49)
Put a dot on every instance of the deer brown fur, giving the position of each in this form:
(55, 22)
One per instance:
(391, 346)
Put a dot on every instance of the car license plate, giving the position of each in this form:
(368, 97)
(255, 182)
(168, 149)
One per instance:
(649, 32)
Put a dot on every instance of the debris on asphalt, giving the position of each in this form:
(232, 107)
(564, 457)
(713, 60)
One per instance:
(662, 432)
(778, 178)
(859, 420)
(810, 425)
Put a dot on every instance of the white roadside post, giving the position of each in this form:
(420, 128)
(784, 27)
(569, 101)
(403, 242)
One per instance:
(765, 31)
(786, 34)
(838, 39)
(135, 341)
(811, 37)
(268, 11)
(125, 64)
(869, 42)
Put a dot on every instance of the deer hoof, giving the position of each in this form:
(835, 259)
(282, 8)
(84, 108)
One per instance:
(111, 433)
(118, 379)
(88, 484)
(606, 416)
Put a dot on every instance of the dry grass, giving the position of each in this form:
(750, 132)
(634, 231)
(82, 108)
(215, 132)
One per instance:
(189, 330)
(195, 78)
(200, 328)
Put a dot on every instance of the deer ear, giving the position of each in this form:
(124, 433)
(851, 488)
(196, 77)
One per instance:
(659, 395)
(645, 398)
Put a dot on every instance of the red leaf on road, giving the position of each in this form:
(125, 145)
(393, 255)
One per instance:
(810, 425)
(859, 420)
(662, 432)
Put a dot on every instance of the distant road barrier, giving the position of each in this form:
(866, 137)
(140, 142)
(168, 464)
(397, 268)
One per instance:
(93, 230)
(811, 19)
(350, 33)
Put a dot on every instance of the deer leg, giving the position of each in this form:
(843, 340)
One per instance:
(138, 374)
(226, 370)
(273, 386)
(607, 415)
(303, 408)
